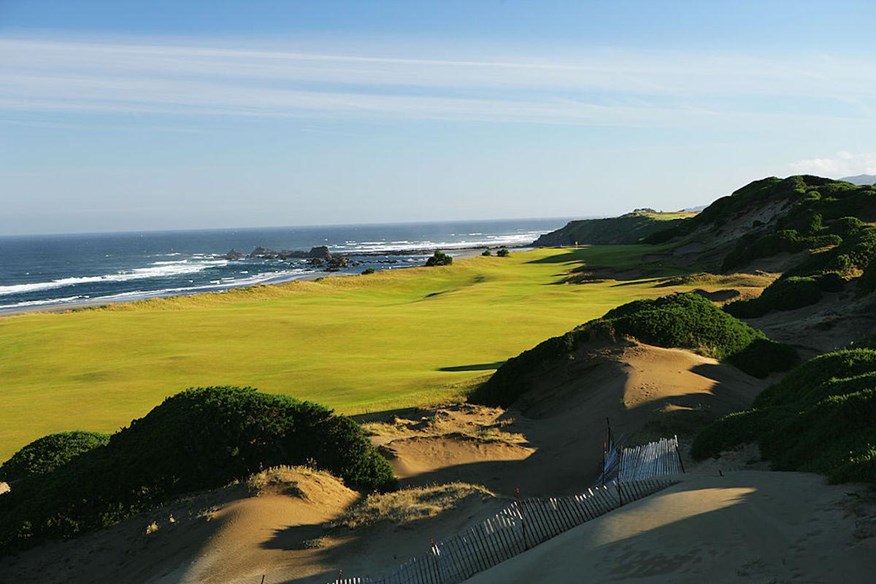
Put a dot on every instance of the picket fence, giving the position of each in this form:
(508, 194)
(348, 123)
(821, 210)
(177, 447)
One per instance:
(650, 460)
(516, 528)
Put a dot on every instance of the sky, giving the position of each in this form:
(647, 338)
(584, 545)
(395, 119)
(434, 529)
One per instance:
(149, 115)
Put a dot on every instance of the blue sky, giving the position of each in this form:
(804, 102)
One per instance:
(120, 116)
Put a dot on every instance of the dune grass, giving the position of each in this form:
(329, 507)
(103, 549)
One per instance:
(361, 343)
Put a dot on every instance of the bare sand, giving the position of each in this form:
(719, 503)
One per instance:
(553, 444)
(235, 536)
(745, 526)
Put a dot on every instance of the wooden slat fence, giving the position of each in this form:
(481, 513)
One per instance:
(518, 527)
(655, 459)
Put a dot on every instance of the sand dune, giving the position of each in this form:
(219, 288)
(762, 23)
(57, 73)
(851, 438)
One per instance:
(560, 425)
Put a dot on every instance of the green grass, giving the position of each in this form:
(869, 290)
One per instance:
(818, 418)
(356, 344)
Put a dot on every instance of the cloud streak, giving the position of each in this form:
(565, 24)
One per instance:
(839, 165)
(597, 87)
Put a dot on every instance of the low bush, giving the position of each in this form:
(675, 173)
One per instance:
(487, 252)
(199, 439)
(503, 253)
(48, 453)
(867, 283)
(783, 294)
(788, 240)
(819, 418)
(439, 258)
(686, 321)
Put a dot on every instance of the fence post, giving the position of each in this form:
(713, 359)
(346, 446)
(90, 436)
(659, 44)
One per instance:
(620, 495)
(678, 453)
(436, 555)
(522, 516)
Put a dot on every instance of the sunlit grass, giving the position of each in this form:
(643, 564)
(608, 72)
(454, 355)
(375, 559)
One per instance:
(361, 343)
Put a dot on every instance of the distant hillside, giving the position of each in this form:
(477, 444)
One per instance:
(818, 232)
(626, 229)
(861, 179)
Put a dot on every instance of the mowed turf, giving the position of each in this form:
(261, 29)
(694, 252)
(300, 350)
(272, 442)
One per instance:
(361, 343)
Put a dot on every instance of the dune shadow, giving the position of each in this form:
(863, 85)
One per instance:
(473, 367)
(295, 537)
(576, 255)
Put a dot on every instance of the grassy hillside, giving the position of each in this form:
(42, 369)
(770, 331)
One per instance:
(361, 343)
(626, 229)
(819, 418)
(828, 224)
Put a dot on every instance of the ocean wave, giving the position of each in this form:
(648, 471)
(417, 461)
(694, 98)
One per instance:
(214, 286)
(510, 239)
(162, 271)
(47, 302)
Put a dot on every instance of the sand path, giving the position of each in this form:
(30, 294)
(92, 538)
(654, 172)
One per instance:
(747, 526)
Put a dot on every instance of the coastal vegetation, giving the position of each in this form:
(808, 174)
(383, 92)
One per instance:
(199, 439)
(823, 227)
(396, 338)
(439, 258)
(818, 418)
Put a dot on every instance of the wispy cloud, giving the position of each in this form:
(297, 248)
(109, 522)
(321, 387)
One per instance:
(839, 165)
(597, 87)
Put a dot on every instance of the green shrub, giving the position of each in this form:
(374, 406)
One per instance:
(487, 252)
(439, 258)
(788, 240)
(819, 418)
(731, 430)
(368, 271)
(503, 253)
(783, 294)
(49, 453)
(763, 356)
(199, 439)
(686, 321)
(867, 283)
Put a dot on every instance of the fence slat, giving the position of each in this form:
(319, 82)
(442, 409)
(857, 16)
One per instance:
(528, 522)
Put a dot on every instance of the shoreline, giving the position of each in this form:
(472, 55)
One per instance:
(77, 305)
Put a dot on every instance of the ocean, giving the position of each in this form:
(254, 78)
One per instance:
(53, 270)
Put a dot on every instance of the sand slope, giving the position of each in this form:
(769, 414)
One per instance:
(232, 536)
(561, 423)
(747, 526)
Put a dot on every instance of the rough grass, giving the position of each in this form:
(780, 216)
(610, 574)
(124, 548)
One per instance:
(284, 480)
(392, 339)
(408, 505)
(819, 418)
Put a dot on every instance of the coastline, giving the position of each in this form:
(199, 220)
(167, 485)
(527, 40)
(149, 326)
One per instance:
(95, 303)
